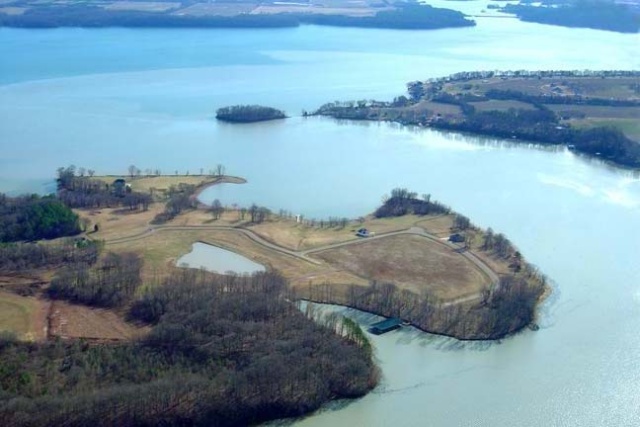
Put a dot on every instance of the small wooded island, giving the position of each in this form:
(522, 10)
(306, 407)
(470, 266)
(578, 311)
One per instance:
(248, 114)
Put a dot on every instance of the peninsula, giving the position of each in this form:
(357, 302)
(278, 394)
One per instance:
(596, 113)
(187, 344)
(622, 17)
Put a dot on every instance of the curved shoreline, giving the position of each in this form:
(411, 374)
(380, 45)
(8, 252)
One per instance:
(224, 179)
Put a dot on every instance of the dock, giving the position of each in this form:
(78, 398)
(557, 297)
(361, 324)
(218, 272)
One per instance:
(385, 326)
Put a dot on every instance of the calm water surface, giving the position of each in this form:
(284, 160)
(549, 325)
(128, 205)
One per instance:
(218, 260)
(108, 98)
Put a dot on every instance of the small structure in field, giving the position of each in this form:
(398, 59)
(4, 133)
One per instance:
(363, 232)
(385, 326)
(456, 238)
(119, 186)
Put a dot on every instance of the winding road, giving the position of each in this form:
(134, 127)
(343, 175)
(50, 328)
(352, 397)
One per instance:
(304, 254)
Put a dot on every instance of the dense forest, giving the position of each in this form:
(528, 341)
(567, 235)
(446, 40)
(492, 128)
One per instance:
(223, 351)
(34, 217)
(596, 14)
(248, 114)
(409, 16)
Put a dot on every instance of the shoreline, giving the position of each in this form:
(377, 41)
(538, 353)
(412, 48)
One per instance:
(224, 179)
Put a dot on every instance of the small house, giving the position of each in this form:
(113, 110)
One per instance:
(456, 238)
(119, 186)
(363, 232)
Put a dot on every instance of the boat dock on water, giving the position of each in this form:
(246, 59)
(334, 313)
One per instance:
(385, 326)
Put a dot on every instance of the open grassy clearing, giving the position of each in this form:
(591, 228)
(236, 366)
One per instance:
(163, 248)
(115, 223)
(596, 111)
(146, 6)
(144, 184)
(413, 263)
(437, 108)
(223, 9)
(21, 315)
(289, 234)
(630, 127)
(501, 105)
(79, 321)
(611, 87)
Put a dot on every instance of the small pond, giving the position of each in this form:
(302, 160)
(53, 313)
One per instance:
(218, 260)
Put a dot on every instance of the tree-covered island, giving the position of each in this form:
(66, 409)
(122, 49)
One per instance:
(591, 112)
(249, 114)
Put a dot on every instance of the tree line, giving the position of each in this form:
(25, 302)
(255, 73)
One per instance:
(403, 16)
(33, 217)
(77, 190)
(112, 282)
(16, 257)
(599, 15)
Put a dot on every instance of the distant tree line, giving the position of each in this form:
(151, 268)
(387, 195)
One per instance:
(596, 14)
(33, 217)
(223, 351)
(409, 16)
(79, 15)
(248, 113)
(15, 257)
(110, 283)
(404, 16)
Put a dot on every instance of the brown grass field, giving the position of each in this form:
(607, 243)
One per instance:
(501, 105)
(24, 316)
(289, 234)
(145, 184)
(613, 87)
(413, 263)
(78, 321)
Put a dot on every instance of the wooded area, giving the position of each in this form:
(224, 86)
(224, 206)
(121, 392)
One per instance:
(596, 14)
(224, 351)
(33, 217)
